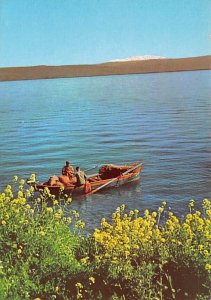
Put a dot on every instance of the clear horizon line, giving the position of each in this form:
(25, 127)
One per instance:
(103, 62)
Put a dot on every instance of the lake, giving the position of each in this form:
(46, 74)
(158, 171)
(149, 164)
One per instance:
(162, 119)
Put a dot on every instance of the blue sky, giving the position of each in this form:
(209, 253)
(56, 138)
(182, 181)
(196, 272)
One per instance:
(60, 32)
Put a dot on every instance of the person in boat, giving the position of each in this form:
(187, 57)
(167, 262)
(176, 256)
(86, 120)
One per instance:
(68, 170)
(54, 181)
(80, 177)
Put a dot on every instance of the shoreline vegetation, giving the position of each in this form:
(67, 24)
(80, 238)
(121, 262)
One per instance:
(107, 68)
(45, 253)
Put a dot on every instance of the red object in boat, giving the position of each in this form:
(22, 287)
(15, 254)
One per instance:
(108, 176)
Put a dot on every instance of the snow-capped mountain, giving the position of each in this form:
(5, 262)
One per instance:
(134, 58)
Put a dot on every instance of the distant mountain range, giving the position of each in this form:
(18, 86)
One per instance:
(132, 65)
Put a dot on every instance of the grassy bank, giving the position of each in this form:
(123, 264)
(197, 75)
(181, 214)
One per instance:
(151, 255)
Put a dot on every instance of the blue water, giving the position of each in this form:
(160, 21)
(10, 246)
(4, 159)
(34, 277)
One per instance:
(163, 120)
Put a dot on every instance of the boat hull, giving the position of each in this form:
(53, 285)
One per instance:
(94, 184)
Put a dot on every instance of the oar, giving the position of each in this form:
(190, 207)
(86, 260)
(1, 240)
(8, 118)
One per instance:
(113, 179)
(91, 168)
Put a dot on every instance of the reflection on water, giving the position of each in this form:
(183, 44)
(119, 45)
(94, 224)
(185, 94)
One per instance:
(160, 119)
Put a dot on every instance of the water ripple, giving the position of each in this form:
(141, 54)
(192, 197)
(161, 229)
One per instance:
(153, 118)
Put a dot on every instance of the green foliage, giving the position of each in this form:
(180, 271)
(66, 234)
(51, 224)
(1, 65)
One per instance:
(37, 247)
(44, 254)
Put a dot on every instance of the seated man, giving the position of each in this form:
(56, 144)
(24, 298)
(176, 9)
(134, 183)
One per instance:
(68, 170)
(80, 176)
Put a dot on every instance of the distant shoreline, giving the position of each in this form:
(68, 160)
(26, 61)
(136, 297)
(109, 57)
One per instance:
(106, 69)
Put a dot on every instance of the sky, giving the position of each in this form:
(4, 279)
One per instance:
(65, 32)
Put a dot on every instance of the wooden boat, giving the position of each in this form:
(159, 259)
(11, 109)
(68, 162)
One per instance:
(108, 176)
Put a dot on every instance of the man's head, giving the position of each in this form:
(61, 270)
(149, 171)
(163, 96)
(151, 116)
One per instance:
(77, 169)
(67, 163)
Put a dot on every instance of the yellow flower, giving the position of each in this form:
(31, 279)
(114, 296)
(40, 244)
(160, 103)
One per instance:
(200, 247)
(122, 207)
(59, 211)
(206, 252)
(97, 258)
(75, 213)
(33, 177)
(28, 206)
(80, 224)
(206, 203)
(84, 260)
(189, 217)
(15, 179)
(3, 222)
(114, 261)
(154, 214)
(92, 279)
(69, 220)
(23, 201)
(57, 216)
(146, 213)
(79, 295)
(191, 204)
(55, 202)
(19, 251)
(22, 181)
(42, 233)
(79, 285)
(49, 209)
(160, 209)
(208, 267)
